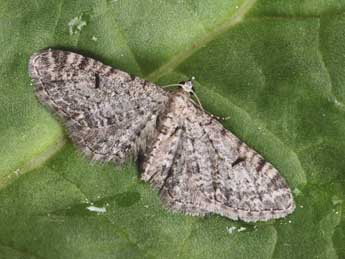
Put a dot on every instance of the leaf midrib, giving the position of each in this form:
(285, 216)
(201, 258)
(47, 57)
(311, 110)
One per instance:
(195, 46)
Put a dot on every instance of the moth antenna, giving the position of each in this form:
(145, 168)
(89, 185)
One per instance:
(222, 118)
(196, 97)
(212, 115)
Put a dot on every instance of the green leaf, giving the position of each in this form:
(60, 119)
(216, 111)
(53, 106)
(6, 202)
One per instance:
(275, 67)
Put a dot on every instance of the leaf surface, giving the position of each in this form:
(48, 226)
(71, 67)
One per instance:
(275, 67)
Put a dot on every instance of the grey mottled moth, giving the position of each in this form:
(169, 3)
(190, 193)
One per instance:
(198, 166)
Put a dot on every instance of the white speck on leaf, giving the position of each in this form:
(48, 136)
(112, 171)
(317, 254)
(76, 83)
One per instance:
(76, 24)
(17, 172)
(241, 229)
(231, 229)
(336, 200)
(94, 38)
(234, 229)
(338, 103)
(97, 209)
(297, 191)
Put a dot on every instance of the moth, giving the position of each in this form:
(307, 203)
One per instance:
(198, 166)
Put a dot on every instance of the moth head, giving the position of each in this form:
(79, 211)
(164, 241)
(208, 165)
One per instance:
(187, 86)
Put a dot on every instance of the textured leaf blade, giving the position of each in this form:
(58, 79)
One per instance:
(275, 68)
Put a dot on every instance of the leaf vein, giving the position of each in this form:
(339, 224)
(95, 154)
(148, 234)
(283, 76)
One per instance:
(182, 56)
